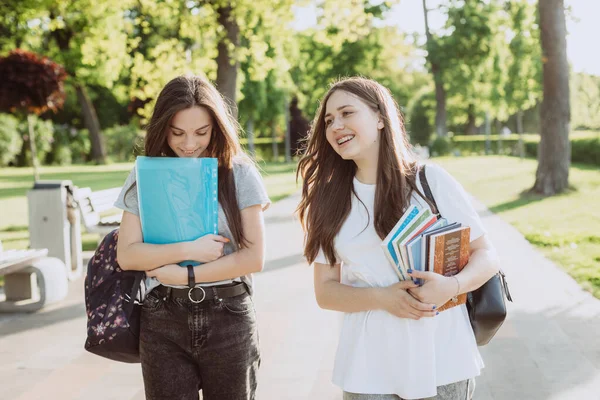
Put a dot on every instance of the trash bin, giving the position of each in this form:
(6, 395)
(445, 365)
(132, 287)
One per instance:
(54, 223)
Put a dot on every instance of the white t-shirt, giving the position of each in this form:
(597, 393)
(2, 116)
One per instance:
(379, 353)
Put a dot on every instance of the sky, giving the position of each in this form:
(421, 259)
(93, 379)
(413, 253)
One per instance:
(583, 26)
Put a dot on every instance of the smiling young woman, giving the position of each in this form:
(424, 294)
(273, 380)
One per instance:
(359, 177)
(210, 342)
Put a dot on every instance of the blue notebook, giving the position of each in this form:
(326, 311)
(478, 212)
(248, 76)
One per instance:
(178, 198)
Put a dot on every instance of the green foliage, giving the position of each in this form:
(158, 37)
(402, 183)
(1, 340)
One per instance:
(585, 146)
(586, 151)
(585, 101)
(440, 146)
(10, 139)
(263, 148)
(421, 114)
(124, 142)
(523, 87)
(384, 55)
(70, 146)
(44, 136)
(61, 153)
(81, 33)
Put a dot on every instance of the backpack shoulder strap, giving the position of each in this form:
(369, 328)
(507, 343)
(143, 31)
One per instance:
(427, 189)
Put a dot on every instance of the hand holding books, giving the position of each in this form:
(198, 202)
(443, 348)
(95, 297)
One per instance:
(207, 248)
(438, 289)
(421, 242)
(178, 201)
(397, 301)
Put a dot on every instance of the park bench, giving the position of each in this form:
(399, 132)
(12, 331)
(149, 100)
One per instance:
(31, 280)
(93, 205)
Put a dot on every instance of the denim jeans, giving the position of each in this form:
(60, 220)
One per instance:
(211, 346)
(462, 390)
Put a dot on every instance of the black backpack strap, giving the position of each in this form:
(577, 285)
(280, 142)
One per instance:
(135, 289)
(427, 189)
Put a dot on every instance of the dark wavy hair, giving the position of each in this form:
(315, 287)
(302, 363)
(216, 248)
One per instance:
(327, 178)
(190, 91)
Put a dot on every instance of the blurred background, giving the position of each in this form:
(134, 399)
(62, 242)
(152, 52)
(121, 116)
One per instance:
(80, 77)
(276, 58)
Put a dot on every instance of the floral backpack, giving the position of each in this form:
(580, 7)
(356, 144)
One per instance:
(112, 305)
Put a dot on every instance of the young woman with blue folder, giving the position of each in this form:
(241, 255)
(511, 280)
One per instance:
(198, 325)
(358, 179)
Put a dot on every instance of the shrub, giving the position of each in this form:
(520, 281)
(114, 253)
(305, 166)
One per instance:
(440, 146)
(585, 148)
(80, 145)
(10, 139)
(585, 151)
(123, 142)
(60, 154)
(419, 120)
(44, 136)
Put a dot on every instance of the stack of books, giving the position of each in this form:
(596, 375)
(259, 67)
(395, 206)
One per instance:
(422, 242)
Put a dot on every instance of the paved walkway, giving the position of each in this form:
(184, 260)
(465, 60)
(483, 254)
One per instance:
(547, 349)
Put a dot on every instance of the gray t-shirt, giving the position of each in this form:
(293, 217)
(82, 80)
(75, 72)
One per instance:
(250, 191)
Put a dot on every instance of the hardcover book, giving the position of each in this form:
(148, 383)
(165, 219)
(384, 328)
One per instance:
(413, 248)
(449, 253)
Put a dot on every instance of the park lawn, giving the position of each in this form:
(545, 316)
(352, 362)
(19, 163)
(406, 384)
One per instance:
(279, 180)
(565, 228)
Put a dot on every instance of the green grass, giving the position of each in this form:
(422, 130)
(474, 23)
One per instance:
(566, 228)
(279, 180)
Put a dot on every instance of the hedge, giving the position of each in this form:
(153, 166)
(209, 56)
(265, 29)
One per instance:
(585, 148)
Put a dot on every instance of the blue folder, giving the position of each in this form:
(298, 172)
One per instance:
(178, 198)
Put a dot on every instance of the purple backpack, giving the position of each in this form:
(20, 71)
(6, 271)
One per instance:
(113, 314)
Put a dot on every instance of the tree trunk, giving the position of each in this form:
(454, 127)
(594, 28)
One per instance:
(471, 129)
(33, 148)
(488, 129)
(227, 65)
(274, 143)
(288, 141)
(520, 121)
(250, 136)
(440, 109)
(520, 132)
(554, 152)
(90, 120)
(440, 92)
(499, 132)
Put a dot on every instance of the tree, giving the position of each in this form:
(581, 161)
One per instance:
(227, 60)
(523, 89)
(30, 84)
(90, 40)
(554, 151)
(436, 71)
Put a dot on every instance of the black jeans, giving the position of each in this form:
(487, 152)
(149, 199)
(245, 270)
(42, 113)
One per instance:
(213, 346)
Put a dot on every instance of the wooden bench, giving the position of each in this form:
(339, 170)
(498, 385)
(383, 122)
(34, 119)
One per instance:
(93, 205)
(31, 280)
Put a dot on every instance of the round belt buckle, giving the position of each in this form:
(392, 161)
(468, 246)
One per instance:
(197, 301)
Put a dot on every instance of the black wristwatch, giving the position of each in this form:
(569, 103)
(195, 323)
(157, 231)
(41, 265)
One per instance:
(191, 276)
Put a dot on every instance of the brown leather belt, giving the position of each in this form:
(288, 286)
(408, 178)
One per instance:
(200, 293)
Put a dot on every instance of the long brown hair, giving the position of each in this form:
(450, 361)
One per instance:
(190, 91)
(328, 179)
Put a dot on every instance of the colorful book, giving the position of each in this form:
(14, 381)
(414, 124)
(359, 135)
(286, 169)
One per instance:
(413, 248)
(449, 253)
(387, 244)
(425, 242)
(423, 221)
(178, 199)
